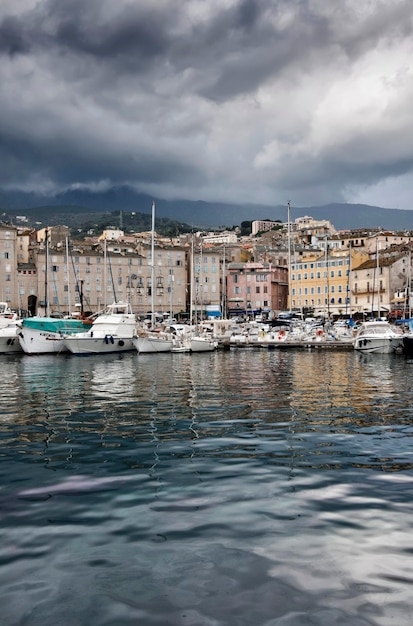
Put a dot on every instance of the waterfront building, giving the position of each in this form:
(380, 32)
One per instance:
(170, 275)
(102, 276)
(381, 284)
(254, 288)
(321, 281)
(192, 275)
(205, 279)
(8, 264)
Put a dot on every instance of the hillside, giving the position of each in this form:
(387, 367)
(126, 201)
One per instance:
(75, 208)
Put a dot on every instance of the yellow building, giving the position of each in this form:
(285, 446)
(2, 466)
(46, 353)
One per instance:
(321, 281)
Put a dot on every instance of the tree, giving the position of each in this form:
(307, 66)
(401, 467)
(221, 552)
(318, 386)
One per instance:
(246, 228)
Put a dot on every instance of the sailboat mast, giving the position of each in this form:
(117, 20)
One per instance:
(409, 284)
(46, 270)
(374, 282)
(105, 273)
(153, 267)
(378, 277)
(289, 253)
(68, 278)
(223, 311)
(191, 290)
(348, 288)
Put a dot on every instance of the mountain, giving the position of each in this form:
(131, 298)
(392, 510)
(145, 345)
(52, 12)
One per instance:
(80, 204)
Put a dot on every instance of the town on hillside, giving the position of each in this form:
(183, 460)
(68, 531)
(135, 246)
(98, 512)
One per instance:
(304, 266)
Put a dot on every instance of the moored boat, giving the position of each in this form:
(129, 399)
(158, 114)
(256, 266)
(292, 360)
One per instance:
(148, 342)
(408, 345)
(199, 343)
(112, 331)
(44, 335)
(10, 325)
(9, 339)
(377, 336)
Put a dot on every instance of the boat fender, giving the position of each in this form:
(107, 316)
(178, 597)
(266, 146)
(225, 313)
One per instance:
(106, 339)
(121, 342)
(8, 342)
(111, 339)
(281, 334)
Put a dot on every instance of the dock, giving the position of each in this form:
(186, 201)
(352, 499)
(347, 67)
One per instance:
(289, 345)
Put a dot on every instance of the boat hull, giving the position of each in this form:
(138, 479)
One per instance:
(377, 345)
(36, 342)
(148, 345)
(201, 344)
(408, 346)
(9, 340)
(377, 337)
(98, 345)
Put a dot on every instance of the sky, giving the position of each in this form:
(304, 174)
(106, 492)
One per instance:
(258, 101)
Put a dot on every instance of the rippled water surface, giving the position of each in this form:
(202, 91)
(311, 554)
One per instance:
(233, 488)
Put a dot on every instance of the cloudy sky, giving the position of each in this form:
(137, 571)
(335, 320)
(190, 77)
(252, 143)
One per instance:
(308, 101)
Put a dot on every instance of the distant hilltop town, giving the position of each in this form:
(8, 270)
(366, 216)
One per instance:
(304, 266)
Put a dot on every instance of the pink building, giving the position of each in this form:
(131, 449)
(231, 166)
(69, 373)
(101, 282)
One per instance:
(254, 288)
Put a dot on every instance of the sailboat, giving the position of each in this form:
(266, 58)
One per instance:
(149, 341)
(43, 335)
(198, 341)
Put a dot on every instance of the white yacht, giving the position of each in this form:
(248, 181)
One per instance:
(112, 331)
(377, 336)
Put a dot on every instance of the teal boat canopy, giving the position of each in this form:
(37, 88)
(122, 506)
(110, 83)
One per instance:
(54, 325)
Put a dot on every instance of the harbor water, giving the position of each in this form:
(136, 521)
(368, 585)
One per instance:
(242, 487)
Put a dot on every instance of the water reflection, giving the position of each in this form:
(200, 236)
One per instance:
(266, 488)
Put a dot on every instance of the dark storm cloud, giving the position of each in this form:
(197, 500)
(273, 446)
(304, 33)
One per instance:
(231, 98)
(239, 47)
(82, 29)
(13, 38)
